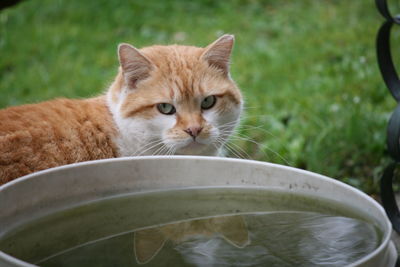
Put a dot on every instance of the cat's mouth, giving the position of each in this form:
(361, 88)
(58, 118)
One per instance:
(193, 147)
(194, 144)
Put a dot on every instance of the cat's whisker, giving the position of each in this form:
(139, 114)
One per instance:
(159, 142)
(171, 151)
(228, 124)
(158, 150)
(229, 148)
(246, 138)
(259, 149)
(143, 148)
(235, 152)
(276, 138)
(163, 150)
(216, 146)
(227, 133)
(232, 151)
(250, 107)
(279, 155)
(240, 149)
(245, 116)
(262, 146)
(251, 128)
(168, 151)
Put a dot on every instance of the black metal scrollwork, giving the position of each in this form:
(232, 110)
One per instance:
(389, 75)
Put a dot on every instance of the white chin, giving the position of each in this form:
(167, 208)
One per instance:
(195, 148)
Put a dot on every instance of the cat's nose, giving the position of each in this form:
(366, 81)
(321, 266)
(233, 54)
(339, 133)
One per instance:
(193, 131)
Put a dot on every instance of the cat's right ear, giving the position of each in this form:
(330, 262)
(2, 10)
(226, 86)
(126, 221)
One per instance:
(219, 52)
(147, 244)
(135, 66)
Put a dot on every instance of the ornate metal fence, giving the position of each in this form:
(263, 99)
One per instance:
(389, 74)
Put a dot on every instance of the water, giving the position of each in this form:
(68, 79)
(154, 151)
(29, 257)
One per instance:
(197, 227)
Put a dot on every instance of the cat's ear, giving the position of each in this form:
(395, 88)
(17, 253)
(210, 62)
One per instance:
(218, 53)
(147, 243)
(135, 66)
(233, 229)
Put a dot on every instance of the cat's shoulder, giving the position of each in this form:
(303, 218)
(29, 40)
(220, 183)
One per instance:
(57, 112)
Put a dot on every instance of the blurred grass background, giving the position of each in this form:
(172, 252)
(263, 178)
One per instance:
(314, 95)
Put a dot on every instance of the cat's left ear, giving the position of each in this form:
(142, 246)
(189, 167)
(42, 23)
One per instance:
(135, 66)
(218, 53)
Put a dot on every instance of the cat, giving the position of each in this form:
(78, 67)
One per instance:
(165, 100)
(189, 234)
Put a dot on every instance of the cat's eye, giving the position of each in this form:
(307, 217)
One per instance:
(166, 108)
(208, 102)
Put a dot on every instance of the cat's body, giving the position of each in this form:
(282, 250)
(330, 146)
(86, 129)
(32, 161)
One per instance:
(63, 131)
(165, 100)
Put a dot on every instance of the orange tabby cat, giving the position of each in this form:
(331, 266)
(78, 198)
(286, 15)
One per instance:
(165, 100)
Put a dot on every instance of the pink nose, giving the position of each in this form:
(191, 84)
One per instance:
(193, 131)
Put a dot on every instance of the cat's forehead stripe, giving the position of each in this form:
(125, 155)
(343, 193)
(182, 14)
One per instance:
(138, 109)
(171, 93)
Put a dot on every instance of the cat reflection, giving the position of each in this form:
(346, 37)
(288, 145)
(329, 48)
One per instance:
(203, 235)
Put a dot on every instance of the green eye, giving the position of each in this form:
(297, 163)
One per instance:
(208, 102)
(166, 108)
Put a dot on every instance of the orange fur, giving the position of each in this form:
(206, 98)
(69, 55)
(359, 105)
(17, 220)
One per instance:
(40, 136)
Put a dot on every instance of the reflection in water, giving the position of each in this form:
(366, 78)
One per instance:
(249, 228)
(196, 236)
(277, 239)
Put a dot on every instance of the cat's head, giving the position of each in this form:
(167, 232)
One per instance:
(175, 99)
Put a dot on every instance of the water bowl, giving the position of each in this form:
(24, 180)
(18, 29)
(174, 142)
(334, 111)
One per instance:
(189, 211)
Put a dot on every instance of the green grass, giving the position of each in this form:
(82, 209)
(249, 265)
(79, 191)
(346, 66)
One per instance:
(307, 68)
